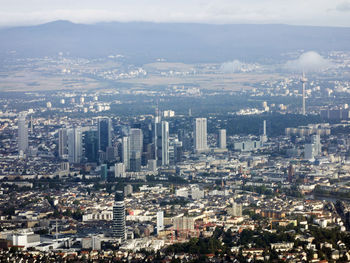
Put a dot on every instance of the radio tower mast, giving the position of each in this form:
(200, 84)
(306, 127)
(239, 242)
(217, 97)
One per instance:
(303, 80)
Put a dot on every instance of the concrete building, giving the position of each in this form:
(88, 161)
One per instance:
(128, 190)
(222, 139)
(235, 210)
(160, 221)
(247, 145)
(62, 143)
(119, 170)
(22, 133)
(200, 134)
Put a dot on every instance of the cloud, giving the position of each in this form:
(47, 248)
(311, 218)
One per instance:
(308, 62)
(343, 6)
(237, 66)
(231, 67)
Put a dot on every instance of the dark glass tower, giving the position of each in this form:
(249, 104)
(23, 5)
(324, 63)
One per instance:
(91, 146)
(104, 134)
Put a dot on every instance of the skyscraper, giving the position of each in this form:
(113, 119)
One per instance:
(119, 170)
(136, 140)
(104, 172)
(90, 140)
(22, 133)
(303, 80)
(126, 152)
(200, 134)
(160, 221)
(62, 143)
(222, 139)
(104, 130)
(162, 143)
(74, 145)
(119, 216)
(136, 146)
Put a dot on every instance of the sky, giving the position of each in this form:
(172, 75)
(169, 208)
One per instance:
(293, 12)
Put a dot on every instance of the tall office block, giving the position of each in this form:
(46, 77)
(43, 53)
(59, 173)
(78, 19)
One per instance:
(135, 162)
(22, 133)
(104, 172)
(136, 140)
(160, 221)
(119, 216)
(136, 146)
(162, 143)
(74, 145)
(104, 130)
(126, 152)
(62, 143)
(222, 139)
(119, 170)
(316, 141)
(90, 142)
(200, 134)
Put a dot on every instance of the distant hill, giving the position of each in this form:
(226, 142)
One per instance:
(144, 42)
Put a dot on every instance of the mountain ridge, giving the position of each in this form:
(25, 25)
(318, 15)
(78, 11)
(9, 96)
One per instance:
(185, 42)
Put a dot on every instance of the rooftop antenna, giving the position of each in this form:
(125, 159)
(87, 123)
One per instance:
(303, 80)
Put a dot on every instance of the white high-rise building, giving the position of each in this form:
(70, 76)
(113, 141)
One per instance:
(160, 221)
(200, 134)
(119, 170)
(62, 143)
(74, 145)
(316, 141)
(309, 152)
(162, 143)
(22, 133)
(222, 139)
(126, 152)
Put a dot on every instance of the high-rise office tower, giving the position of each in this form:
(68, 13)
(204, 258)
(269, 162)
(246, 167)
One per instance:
(135, 162)
(22, 133)
(90, 141)
(126, 152)
(62, 143)
(175, 151)
(104, 172)
(222, 139)
(74, 145)
(160, 221)
(119, 216)
(136, 140)
(104, 130)
(303, 80)
(162, 143)
(263, 137)
(136, 146)
(119, 170)
(200, 134)
(316, 141)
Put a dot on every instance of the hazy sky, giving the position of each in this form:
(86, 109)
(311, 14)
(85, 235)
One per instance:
(297, 12)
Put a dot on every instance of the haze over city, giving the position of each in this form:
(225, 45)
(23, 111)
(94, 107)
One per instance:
(175, 131)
